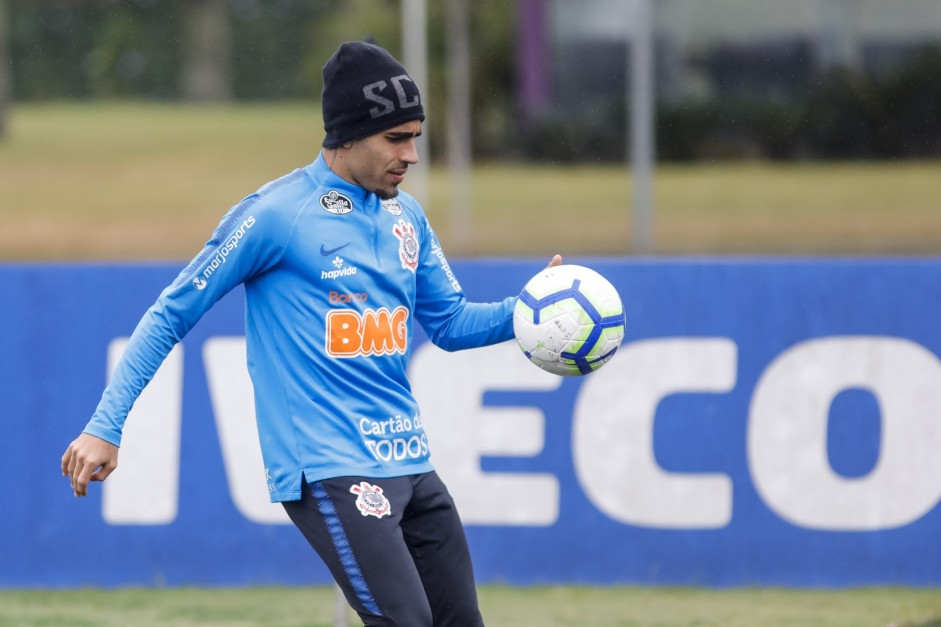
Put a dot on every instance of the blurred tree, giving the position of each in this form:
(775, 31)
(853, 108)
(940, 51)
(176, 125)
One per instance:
(133, 49)
(352, 20)
(4, 68)
(275, 49)
(274, 56)
(81, 48)
(207, 54)
(493, 107)
(842, 114)
(914, 95)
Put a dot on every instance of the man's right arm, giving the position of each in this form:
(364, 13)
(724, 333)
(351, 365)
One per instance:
(241, 246)
(88, 458)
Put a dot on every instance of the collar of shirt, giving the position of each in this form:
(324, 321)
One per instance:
(323, 176)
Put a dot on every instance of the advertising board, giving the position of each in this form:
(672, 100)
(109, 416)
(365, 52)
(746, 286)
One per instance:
(765, 422)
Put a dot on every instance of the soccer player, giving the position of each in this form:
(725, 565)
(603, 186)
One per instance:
(337, 265)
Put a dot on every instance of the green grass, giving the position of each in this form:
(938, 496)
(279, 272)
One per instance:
(502, 607)
(150, 181)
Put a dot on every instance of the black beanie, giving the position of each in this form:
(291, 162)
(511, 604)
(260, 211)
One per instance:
(366, 91)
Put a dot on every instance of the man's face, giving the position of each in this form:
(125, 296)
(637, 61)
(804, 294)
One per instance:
(378, 163)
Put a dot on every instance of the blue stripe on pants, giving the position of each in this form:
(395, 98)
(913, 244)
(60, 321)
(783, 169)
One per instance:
(342, 545)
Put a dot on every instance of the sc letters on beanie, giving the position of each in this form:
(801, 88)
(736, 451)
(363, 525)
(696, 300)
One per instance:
(366, 91)
(373, 92)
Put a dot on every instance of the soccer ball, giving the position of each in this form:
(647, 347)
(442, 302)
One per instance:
(569, 320)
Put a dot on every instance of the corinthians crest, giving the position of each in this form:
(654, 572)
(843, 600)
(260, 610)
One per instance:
(370, 500)
(408, 244)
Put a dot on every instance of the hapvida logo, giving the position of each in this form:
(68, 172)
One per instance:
(341, 270)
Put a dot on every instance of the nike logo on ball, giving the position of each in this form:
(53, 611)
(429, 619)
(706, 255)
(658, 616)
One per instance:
(326, 253)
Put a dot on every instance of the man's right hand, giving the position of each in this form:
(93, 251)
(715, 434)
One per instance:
(88, 458)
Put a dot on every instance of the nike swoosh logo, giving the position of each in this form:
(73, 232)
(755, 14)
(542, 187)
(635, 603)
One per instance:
(327, 253)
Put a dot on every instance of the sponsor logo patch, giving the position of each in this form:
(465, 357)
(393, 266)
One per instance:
(338, 298)
(392, 206)
(408, 244)
(341, 270)
(439, 253)
(373, 332)
(370, 500)
(336, 203)
(397, 438)
(326, 252)
(223, 251)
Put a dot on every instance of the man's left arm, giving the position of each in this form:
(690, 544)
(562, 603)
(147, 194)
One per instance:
(451, 321)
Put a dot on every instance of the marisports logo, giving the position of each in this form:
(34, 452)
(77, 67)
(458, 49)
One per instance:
(223, 251)
(336, 203)
(350, 333)
(437, 251)
(408, 244)
(370, 500)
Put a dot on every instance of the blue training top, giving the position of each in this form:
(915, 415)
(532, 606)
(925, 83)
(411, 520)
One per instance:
(334, 280)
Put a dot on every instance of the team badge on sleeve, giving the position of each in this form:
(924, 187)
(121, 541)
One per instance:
(408, 244)
(370, 500)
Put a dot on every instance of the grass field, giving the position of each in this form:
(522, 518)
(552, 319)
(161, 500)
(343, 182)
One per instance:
(502, 607)
(148, 181)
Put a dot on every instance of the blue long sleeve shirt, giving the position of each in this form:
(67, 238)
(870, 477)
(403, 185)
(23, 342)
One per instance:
(335, 279)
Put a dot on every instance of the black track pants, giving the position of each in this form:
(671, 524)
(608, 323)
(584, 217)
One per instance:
(395, 546)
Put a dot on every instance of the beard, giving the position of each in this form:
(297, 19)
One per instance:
(385, 194)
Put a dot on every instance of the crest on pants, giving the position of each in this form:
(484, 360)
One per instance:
(370, 500)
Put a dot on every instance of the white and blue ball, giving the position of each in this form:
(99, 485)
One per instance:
(569, 320)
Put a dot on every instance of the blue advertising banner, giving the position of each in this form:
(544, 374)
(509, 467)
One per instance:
(765, 422)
